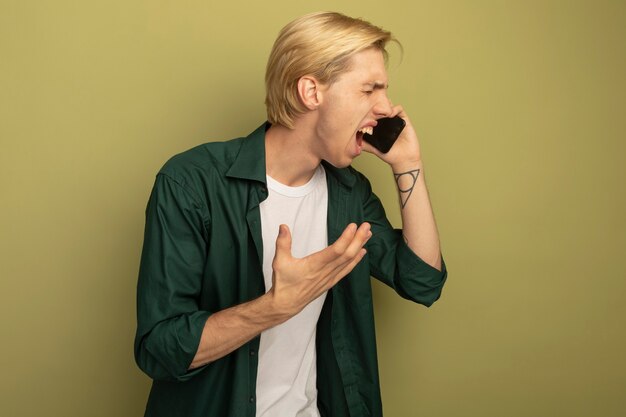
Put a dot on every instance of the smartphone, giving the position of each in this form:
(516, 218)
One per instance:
(385, 133)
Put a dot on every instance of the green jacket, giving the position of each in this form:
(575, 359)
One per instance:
(203, 253)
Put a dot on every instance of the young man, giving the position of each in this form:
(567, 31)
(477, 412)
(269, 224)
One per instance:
(254, 296)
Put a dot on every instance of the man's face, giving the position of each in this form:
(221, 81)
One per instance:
(355, 101)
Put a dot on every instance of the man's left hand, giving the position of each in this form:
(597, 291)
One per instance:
(405, 152)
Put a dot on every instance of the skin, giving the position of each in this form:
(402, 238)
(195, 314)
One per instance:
(328, 131)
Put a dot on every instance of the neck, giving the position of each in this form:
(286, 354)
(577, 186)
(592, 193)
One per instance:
(289, 156)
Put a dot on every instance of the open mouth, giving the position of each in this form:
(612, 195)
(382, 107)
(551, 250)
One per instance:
(367, 129)
(359, 134)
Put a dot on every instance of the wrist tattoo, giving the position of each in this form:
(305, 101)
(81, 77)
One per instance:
(405, 193)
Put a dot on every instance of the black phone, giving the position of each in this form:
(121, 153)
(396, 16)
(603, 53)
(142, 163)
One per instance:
(385, 133)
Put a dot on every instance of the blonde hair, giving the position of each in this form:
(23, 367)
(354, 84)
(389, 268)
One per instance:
(318, 44)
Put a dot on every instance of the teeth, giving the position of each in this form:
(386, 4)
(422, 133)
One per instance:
(368, 129)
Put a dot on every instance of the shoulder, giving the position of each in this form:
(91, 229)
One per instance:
(201, 162)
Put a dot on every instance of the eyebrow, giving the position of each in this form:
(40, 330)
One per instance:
(377, 85)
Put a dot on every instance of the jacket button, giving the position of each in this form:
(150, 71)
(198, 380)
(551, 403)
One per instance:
(252, 352)
(251, 399)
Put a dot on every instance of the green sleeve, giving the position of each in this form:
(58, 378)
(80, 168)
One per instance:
(393, 262)
(169, 320)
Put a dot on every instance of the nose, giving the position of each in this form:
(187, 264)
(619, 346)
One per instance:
(383, 107)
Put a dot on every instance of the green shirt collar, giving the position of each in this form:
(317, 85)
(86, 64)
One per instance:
(250, 162)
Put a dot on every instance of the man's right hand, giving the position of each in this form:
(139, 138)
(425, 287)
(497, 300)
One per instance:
(298, 281)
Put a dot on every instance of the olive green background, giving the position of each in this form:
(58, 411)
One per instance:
(520, 107)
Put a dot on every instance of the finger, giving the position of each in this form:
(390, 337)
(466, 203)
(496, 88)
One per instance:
(357, 240)
(333, 274)
(339, 247)
(343, 270)
(369, 148)
(341, 254)
(361, 237)
(397, 110)
(283, 242)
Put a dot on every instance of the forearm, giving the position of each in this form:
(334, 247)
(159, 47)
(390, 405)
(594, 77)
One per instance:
(418, 221)
(295, 283)
(227, 330)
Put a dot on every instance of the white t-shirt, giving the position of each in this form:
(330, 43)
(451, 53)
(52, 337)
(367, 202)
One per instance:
(286, 378)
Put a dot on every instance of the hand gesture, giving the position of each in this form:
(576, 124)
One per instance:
(298, 281)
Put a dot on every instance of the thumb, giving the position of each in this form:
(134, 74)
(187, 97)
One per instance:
(371, 149)
(283, 241)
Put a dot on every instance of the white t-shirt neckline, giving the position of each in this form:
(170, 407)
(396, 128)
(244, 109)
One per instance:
(297, 191)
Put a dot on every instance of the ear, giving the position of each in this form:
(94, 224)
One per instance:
(309, 91)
